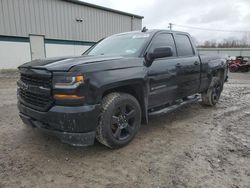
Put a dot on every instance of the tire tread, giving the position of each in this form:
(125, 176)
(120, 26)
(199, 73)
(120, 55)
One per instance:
(107, 100)
(206, 96)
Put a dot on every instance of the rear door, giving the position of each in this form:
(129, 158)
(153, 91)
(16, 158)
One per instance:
(162, 73)
(188, 66)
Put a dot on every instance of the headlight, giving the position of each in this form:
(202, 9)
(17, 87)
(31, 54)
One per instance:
(68, 82)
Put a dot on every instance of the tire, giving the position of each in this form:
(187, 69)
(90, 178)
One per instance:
(233, 68)
(120, 120)
(212, 95)
(244, 69)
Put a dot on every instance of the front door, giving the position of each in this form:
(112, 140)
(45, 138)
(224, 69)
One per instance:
(162, 73)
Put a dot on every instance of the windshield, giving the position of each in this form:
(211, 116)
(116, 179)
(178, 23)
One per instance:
(121, 45)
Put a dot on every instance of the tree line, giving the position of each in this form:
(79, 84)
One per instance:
(230, 42)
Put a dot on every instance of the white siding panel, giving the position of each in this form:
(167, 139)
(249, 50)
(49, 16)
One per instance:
(2, 26)
(79, 49)
(137, 24)
(13, 54)
(57, 50)
(225, 51)
(245, 53)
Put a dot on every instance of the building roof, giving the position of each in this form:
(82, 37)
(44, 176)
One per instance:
(103, 8)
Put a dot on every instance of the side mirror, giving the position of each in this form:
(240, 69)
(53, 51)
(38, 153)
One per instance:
(160, 52)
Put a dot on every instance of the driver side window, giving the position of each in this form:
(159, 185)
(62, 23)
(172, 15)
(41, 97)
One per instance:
(163, 39)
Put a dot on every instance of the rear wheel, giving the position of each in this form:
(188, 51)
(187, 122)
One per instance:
(120, 120)
(212, 95)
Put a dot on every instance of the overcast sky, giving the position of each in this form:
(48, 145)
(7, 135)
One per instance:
(213, 14)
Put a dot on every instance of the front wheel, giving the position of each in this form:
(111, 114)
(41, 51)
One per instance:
(120, 120)
(212, 95)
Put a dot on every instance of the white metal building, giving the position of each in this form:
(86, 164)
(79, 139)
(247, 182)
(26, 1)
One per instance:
(226, 51)
(31, 29)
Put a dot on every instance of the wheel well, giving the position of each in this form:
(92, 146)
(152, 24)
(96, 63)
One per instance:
(130, 89)
(219, 73)
(135, 90)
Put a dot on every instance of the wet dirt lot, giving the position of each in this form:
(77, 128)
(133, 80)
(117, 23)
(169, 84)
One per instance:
(195, 146)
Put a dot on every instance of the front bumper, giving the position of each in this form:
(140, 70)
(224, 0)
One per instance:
(73, 125)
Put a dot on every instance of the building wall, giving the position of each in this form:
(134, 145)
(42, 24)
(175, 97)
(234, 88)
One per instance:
(13, 54)
(226, 51)
(16, 51)
(137, 24)
(56, 19)
(53, 50)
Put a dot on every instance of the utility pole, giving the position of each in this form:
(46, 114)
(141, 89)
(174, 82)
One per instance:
(170, 26)
(248, 43)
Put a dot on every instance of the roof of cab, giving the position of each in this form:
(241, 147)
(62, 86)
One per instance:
(153, 31)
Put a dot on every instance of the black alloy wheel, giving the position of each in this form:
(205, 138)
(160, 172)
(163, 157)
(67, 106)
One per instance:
(123, 122)
(120, 120)
(212, 95)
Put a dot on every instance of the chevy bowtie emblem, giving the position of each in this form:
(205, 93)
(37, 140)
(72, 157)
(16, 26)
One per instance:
(23, 86)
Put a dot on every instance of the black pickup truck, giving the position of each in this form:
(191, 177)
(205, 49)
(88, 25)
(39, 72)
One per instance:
(115, 85)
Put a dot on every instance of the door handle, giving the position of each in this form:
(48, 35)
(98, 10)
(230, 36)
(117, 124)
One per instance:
(196, 63)
(178, 65)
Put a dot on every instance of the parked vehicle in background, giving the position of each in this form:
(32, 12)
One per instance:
(116, 84)
(241, 64)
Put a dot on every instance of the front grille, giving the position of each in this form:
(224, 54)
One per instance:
(36, 80)
(35, 92)
(37, 101)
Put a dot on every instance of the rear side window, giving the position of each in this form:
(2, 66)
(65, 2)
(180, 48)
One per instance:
(183, 45)
(163, 39)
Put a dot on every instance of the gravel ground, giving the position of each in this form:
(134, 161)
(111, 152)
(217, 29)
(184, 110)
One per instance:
(195, 146)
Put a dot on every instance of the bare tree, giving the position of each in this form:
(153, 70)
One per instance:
(230, 42)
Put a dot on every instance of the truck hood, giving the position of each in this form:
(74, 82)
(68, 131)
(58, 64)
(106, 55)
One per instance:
(66, 63)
